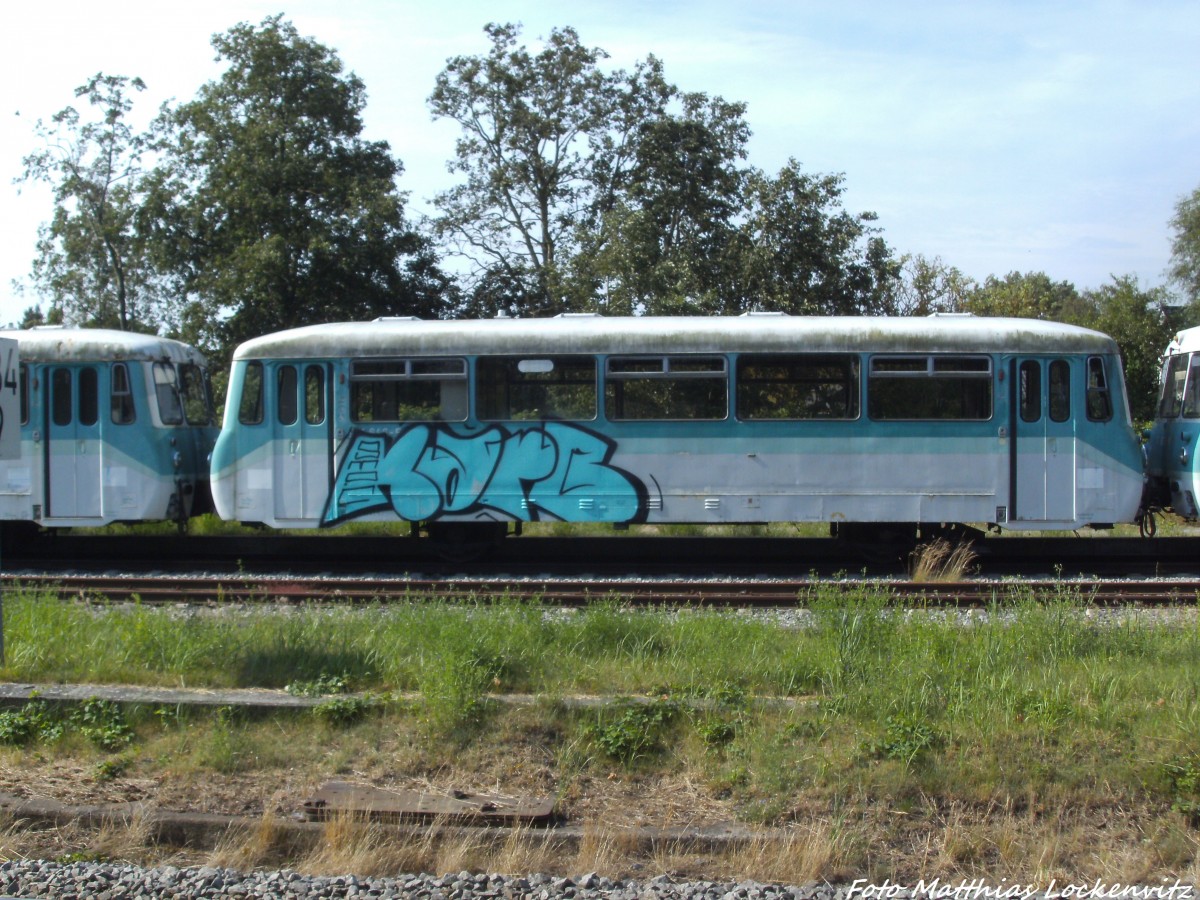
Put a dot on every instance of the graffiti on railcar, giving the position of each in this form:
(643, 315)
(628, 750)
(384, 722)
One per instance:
(542, 471)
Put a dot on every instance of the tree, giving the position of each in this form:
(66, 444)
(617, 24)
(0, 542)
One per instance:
(1185, 247)
(543, 147)
(91, 261)
(929, 286)
(615, 191)
(269, 210)
(665, 244)
(807, 255)
(1137, 319)
(1031, 296)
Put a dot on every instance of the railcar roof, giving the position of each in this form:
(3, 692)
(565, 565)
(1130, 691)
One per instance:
(674, 334)
(1186, 341)
(58, 344)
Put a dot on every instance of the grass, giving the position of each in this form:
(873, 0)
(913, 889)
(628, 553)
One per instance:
(1039, 741)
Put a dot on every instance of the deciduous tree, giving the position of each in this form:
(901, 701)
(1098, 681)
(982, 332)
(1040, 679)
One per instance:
(91, 262)
(808, 255)
(1137, 319)
(545, 145)
(270, 210)
(1185, 247)
(928, 285)
(1032, 295)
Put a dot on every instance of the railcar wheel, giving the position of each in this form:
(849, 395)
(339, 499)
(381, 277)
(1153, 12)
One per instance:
(460, 542)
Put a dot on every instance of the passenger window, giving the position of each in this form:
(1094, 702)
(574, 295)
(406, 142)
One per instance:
(89, 397)
(287, 402)
(408, 390)
(166, 394)
(122, 409)
(251, 403)
(314, 395)
(197, 401)
(1099, 399)
(1172, 396)
(666, 388)
(60, 397)
(930, 387)
(527, 388)
(1030, 389)
(788, 387)
(1060, 390)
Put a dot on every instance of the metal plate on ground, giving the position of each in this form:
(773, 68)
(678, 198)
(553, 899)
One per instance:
(336, 798)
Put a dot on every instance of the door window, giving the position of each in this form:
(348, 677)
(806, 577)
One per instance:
(287, 411)
(60, 397)
(314, 395)
(89, 397)
(1030, 388)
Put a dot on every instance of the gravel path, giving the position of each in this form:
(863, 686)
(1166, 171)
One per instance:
(105, 881)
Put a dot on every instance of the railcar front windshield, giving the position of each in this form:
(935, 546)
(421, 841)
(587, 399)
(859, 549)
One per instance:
(182, 394)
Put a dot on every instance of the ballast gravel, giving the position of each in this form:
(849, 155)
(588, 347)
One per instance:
(68, 881)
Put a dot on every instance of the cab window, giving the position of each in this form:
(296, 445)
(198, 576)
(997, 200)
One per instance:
(1099, 397)
(122, 409)
(250, 405)
(166, 394)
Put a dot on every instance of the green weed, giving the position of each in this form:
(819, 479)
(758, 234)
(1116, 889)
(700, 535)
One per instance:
(632, 731)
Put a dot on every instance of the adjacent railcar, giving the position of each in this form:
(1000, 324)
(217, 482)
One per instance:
(893, 422)
(1172, 464)
(115, 426)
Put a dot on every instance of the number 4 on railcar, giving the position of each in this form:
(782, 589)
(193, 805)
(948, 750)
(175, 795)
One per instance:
(875, 423)
(114, 426)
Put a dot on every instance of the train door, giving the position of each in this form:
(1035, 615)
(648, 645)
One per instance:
(1043, 450)
(303, 441)
(73, 447)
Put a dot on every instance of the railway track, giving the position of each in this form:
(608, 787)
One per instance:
(737, 556)
(783, 593)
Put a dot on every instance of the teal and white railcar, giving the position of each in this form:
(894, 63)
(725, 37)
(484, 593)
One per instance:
(757, 418)
(115, 426)
(1173, 451)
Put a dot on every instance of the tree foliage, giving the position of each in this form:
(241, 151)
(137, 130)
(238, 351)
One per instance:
(91, 261)
(1032, 295)
(1142, 326)
(269, 210)
(807, 255)
(545, 143)
(929, 285)
(665, 242)
(1185, 246)
(616, 191)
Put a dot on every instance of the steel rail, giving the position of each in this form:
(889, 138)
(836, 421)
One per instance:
(578, 592)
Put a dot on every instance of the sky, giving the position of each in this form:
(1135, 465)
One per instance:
(1030, 135)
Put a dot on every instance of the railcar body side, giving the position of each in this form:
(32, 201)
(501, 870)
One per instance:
(115, 426)
(707, 420)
